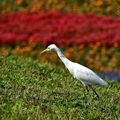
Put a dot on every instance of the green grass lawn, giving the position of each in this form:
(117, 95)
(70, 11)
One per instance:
(30, 90)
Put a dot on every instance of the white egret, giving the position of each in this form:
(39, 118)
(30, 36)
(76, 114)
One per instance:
(80, 72)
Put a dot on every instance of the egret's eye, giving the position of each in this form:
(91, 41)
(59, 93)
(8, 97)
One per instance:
(48, 49)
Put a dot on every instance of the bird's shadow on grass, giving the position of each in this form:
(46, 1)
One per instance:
(67, 99)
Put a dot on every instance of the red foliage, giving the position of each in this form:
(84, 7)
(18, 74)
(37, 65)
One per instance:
(59, 28)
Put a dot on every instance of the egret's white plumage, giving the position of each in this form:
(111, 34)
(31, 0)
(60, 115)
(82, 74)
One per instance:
(80, 72)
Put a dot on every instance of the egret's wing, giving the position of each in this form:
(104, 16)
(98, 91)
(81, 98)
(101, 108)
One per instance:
(86, 75)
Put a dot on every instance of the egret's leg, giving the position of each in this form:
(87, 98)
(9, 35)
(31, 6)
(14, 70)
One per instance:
(94, 91)
(86, 93)
(87, 88)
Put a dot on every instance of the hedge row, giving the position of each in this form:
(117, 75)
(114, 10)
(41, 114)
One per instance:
(59, 28)
(110, 7)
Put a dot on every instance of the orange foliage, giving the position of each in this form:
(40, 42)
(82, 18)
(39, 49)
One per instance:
(100, 58)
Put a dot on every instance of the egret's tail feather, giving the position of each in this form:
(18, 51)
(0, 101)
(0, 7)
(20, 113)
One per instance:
(103, 82)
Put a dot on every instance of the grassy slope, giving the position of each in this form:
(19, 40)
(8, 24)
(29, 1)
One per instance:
(30, 90)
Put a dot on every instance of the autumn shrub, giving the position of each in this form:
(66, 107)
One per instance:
(59, 28)
(110, 7)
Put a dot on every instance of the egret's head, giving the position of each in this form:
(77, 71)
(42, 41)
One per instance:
(49, 48)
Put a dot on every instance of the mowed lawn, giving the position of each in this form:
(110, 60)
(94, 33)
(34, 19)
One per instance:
(31, 90)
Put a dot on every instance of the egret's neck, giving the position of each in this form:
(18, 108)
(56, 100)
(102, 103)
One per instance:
(62, 57)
